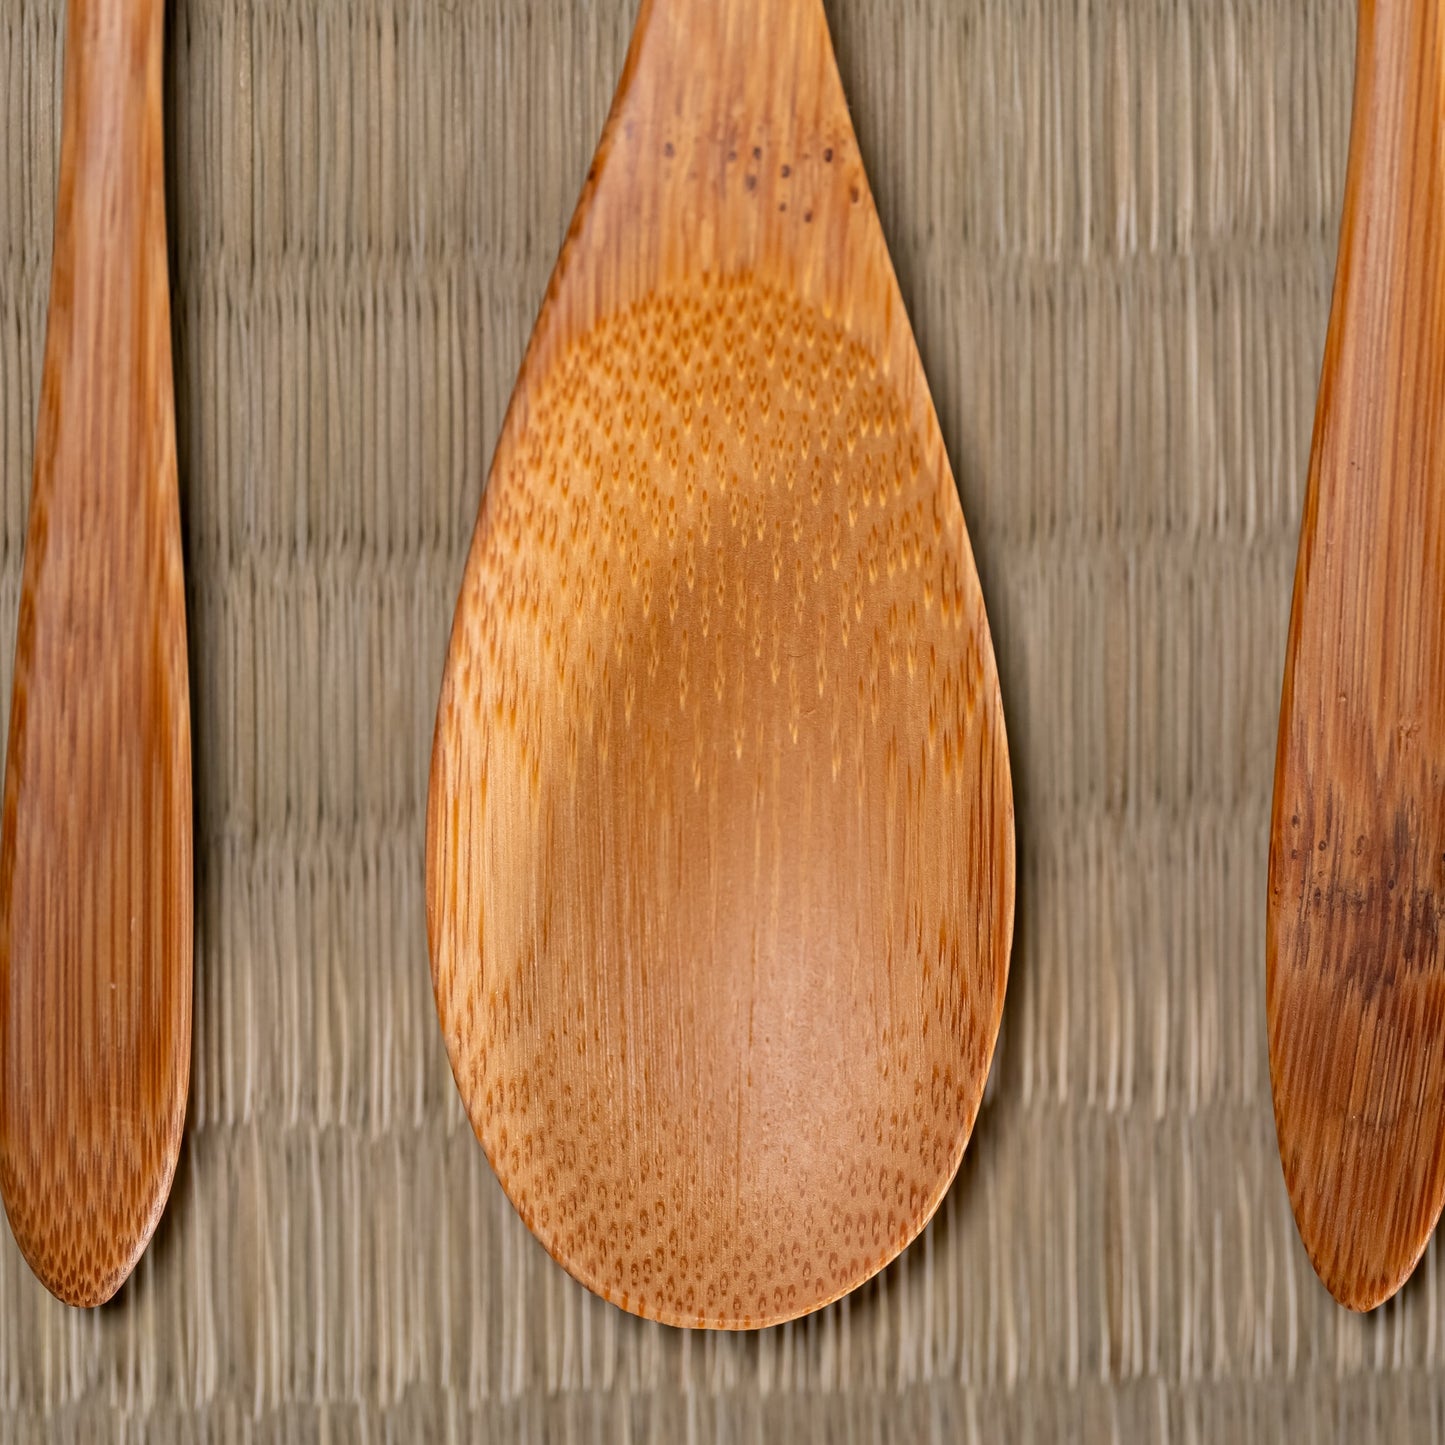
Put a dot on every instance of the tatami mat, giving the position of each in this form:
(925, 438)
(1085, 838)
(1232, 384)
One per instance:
(1114, 223)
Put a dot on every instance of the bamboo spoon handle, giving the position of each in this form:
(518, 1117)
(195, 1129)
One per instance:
(1356, 982)
(95, 868)
(729, 143)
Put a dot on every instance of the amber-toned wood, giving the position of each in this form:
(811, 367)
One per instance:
(95, 864)
(720, 837)
(1356, 980)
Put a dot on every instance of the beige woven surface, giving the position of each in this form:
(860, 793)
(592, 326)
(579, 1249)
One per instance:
(1114, 223)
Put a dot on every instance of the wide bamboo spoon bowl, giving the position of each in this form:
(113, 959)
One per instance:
(720, 831)
(1356, 981)
(95, 859)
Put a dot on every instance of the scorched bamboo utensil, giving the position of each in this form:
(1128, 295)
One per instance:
(95, 861)
(720, 835)
(1356, 982)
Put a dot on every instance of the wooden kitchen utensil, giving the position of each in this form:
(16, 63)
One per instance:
(720, 833)
(1356, 980)
(95, 861)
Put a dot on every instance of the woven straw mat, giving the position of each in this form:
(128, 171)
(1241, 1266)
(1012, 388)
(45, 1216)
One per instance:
(1114, 223)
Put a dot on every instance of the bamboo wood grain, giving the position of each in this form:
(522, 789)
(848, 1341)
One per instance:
(1356, 981)
(720, 832)
(95, 861)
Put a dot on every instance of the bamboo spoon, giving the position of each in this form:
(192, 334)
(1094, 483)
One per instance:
(720, 832)
(1356, 982)
(95, 865)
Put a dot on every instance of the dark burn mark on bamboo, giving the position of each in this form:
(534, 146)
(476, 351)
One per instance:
(1369, 911)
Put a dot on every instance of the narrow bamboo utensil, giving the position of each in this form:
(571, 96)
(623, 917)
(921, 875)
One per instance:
(720, 832)
(95, 860)
(1356, 980)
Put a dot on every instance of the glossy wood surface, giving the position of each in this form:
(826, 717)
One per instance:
(1356, 981)
(95, 869)
(720, 863)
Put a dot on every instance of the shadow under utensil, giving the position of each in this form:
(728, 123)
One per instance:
(160, 1259)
